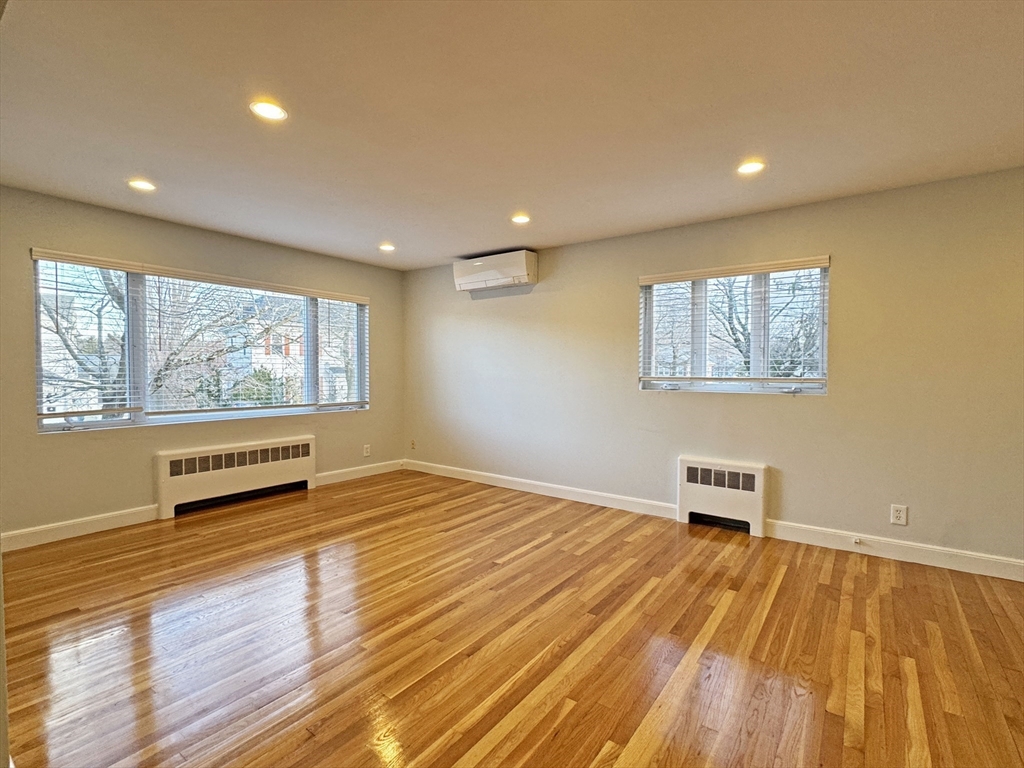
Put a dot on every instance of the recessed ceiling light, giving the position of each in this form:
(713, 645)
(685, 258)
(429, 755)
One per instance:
(141, 185)
(520, 218)
(751, 167)
(268, 110)
(387, 247)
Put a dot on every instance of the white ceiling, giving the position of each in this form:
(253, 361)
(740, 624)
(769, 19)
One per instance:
(429, 124)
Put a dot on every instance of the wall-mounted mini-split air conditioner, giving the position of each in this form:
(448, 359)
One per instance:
(502, 270)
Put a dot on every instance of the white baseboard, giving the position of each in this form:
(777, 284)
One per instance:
(340, 475)
(911, 552)
(628, 503)
(907, 551)
(43, 534)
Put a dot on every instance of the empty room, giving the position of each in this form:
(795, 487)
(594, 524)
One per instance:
(547, 384)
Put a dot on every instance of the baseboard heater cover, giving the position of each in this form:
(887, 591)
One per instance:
(200, 474)
(723, 493)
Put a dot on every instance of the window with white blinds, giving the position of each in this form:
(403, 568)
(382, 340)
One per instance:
(123, 346)
(760, 328)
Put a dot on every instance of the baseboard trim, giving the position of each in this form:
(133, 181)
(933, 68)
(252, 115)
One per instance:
(44, 534)
(907, 551)
(340, 475)
(628, 503)
(894, 549)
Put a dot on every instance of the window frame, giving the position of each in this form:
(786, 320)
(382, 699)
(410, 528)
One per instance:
(759, 328)
(135, 413)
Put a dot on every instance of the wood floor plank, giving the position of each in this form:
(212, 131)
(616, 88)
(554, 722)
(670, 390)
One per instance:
(648, 740)
(918, 753)
(413, 620)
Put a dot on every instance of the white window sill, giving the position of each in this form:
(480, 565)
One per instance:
(794, 387)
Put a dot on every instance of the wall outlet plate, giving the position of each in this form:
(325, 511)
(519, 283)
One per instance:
(366, 450)
(898, 514)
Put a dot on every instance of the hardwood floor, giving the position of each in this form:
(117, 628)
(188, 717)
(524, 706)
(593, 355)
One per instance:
(413, 620)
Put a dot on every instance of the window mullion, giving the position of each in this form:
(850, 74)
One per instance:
(699, 327)
(137, 373)
(759, 326)
(312, 349)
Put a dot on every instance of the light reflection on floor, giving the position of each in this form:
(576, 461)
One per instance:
(166, 657)
(720, 679)
(384, 739)
(75, 677)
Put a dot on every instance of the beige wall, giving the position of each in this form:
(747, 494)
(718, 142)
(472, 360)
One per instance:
(58, 477)
(926, 354)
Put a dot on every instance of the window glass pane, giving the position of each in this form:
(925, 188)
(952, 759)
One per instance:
(795, 324)
(672, 329)
(744, 333)
(83, 363)
(216, 346)
(338, 330)
(728, 319)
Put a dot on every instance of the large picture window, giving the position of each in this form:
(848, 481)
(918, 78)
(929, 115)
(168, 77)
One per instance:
(752, 329)
(119, 346)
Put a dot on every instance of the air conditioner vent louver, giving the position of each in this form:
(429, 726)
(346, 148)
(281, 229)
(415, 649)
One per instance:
(725, 494)
(197, 474)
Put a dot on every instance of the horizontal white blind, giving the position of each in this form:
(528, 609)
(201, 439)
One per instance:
(343, 333)
(187, 274)
(211, 347)
(788, 265)
(82, 341)
(796, 315)
(757, 331)
(116, 346)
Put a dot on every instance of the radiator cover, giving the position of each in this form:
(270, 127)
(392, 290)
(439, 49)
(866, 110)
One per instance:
(194, 474)
(726, 489)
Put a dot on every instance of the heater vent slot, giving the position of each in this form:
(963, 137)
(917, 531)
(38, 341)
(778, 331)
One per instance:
(728, 523)
(719, 478)
(236, 459)
(234, 498)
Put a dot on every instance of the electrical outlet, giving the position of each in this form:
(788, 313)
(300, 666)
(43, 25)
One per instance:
(412, 445)
(898, 514)
(366, 450)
